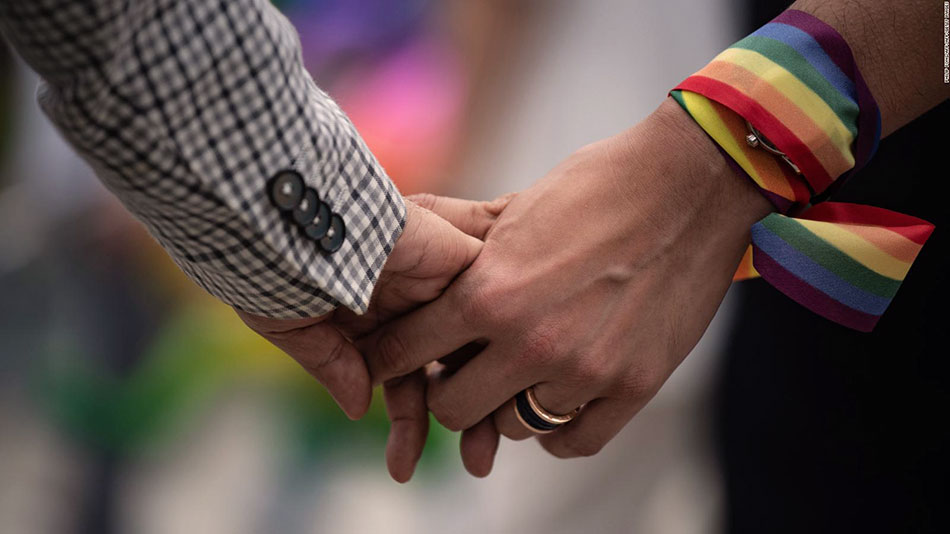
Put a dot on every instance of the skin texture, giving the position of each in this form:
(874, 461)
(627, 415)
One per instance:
(592, 286)
(595, 293)
(427, 257)
(898, 47)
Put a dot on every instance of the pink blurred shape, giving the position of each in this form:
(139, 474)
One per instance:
(408, 108)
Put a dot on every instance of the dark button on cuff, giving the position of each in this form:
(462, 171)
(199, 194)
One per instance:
(307, 209)
(320, 224)
(335, 236)
(286, 190)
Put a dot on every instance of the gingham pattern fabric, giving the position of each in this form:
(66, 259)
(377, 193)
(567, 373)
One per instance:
(185, 109)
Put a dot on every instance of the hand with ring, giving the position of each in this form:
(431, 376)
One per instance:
(592, 286)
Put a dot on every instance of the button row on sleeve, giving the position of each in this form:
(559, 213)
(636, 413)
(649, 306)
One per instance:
(289, 194)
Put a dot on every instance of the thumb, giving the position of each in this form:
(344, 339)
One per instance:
(324, 353)
(431, 247)
(474, 217)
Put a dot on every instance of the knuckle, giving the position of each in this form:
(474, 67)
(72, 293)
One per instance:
(451, 423)
(474, 211)
(583, 447)
(332, 354)
(447, 416)
(572, 447)
(487, 293)
(495, 207)
(477, 302)
(511, 429)
(393, 354)
(540, 345)
(515, 434)
(588, 371)
(638, 383)
(425, 200)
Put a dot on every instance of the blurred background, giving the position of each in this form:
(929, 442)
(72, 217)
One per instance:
(132, 402)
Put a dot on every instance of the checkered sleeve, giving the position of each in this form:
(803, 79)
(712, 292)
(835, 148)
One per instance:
(189, 110)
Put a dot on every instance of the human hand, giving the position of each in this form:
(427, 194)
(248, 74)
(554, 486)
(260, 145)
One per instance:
(428, 255)
(592, 286)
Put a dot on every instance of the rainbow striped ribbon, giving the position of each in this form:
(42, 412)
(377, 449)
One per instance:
(796, 81)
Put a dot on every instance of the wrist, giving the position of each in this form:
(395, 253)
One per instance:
(706, 176)
(680, 195)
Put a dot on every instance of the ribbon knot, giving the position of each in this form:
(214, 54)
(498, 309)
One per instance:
(796, 81)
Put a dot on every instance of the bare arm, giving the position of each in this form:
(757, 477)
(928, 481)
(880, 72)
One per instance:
(593, 295)
(898, 47)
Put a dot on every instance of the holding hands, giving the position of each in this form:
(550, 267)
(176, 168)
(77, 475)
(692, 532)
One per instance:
(579, 296)
(428, 256)
(590, 287)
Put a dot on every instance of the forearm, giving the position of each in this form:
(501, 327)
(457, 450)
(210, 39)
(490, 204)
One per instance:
(897, 46)
(188, 111)
(64, 41)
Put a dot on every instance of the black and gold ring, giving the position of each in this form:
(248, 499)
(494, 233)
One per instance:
(534, 417)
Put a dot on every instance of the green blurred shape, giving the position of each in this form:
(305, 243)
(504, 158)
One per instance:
(200, 353)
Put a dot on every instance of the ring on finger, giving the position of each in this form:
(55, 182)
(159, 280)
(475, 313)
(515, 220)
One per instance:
(535, 417)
